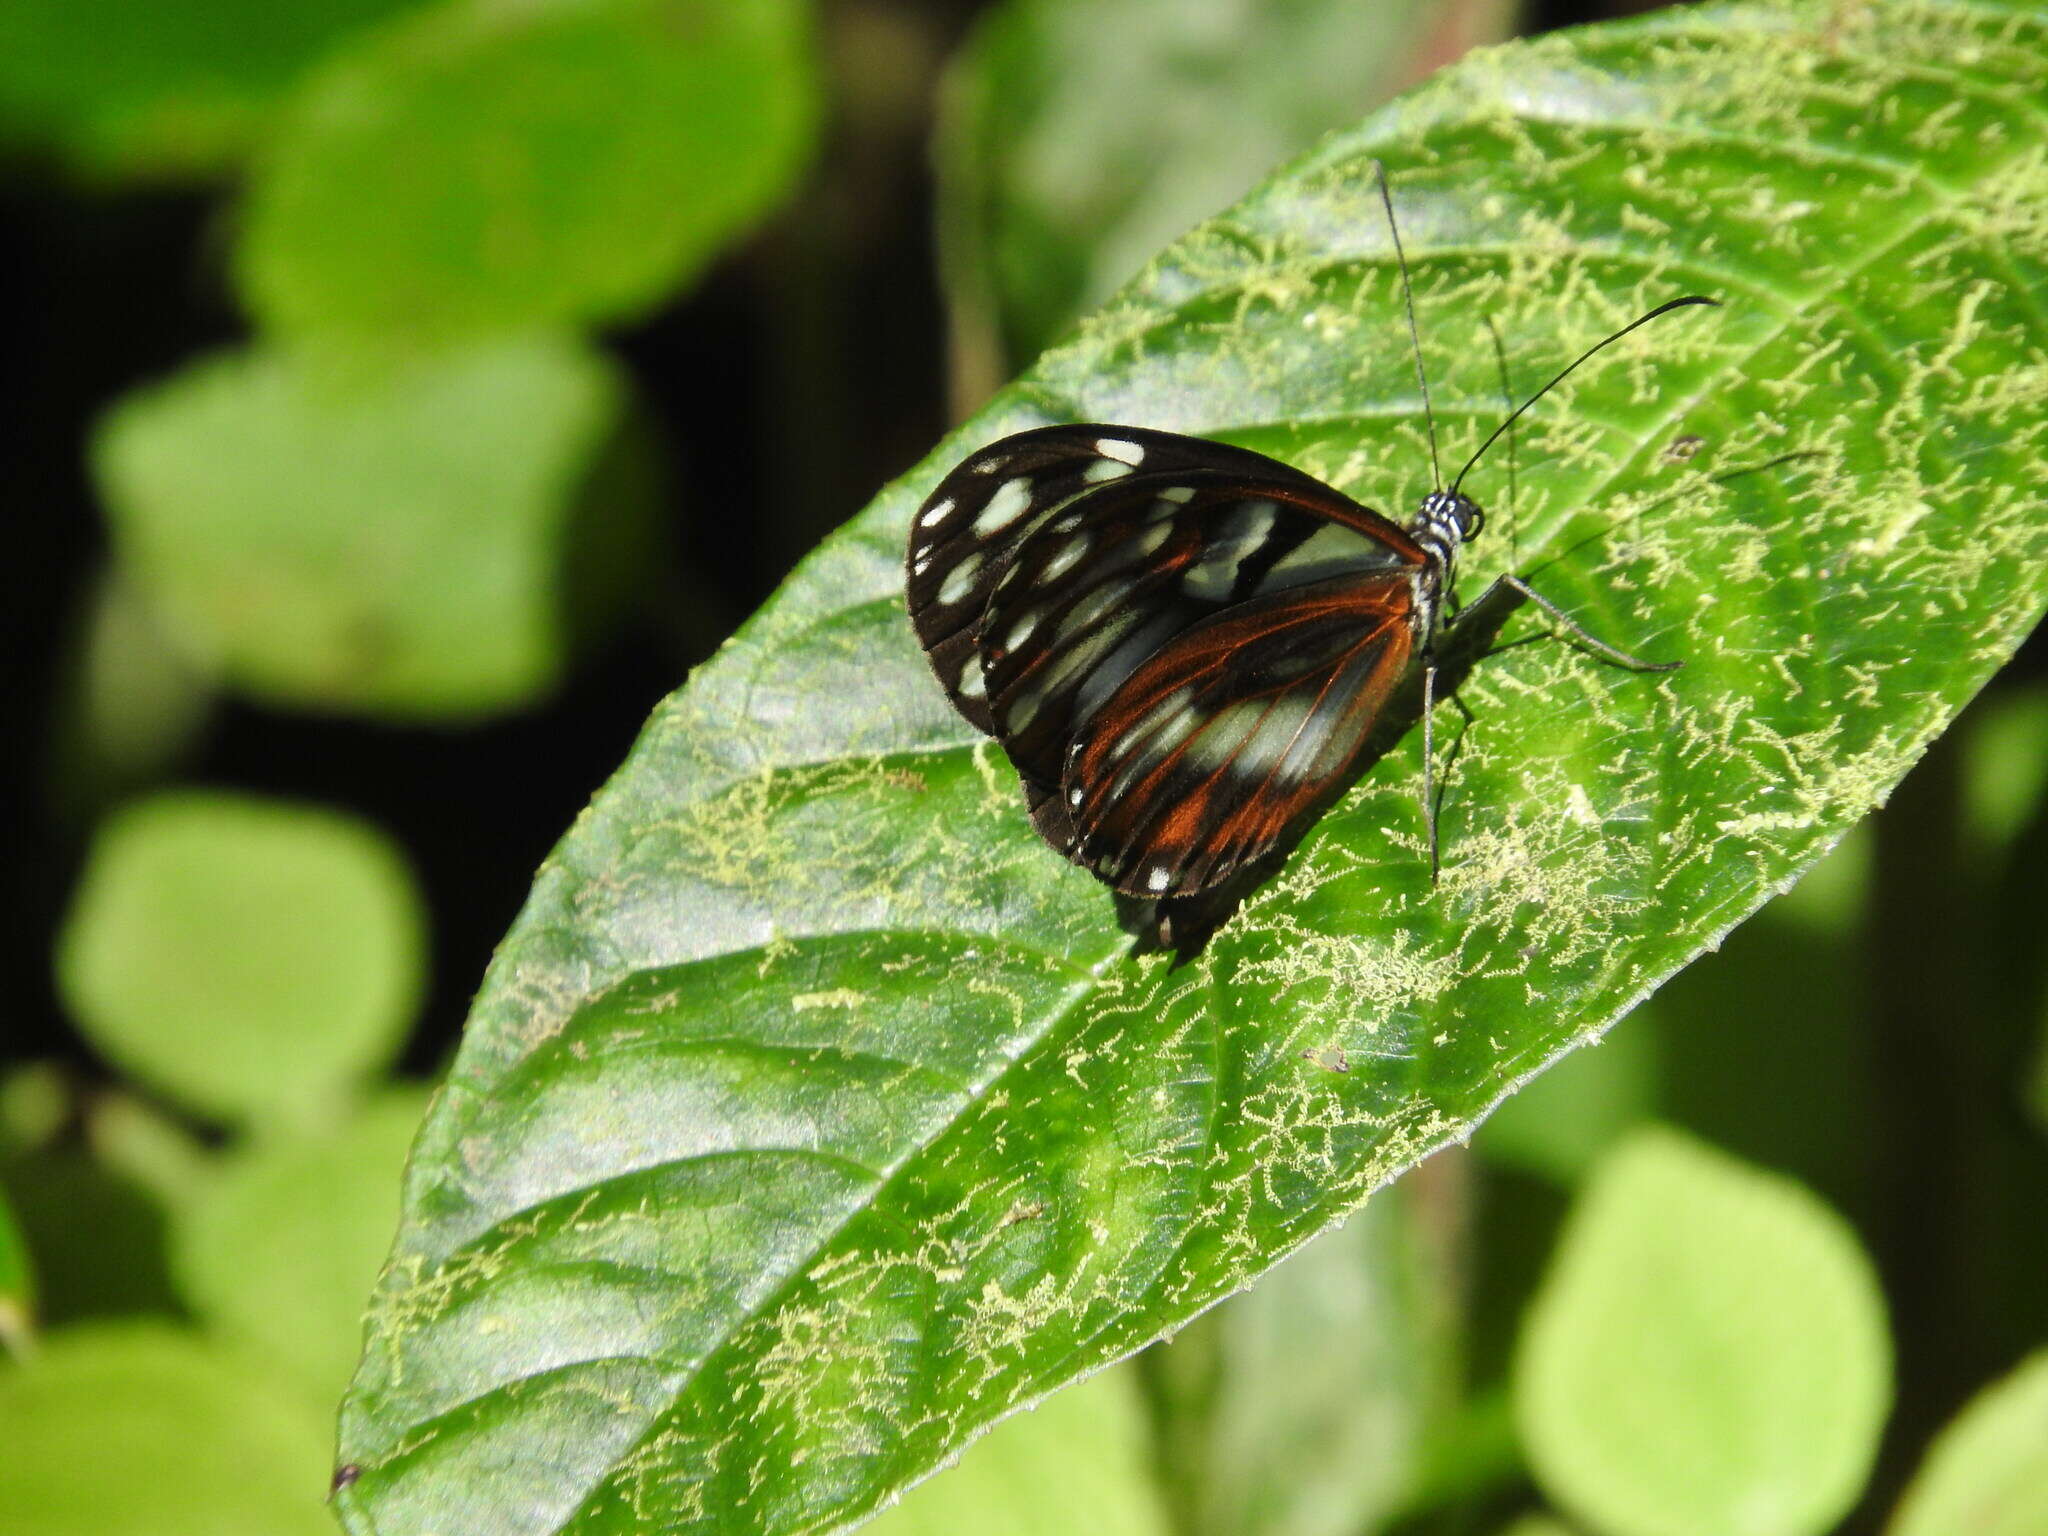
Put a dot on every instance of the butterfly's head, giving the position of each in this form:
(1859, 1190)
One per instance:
(1445, 520)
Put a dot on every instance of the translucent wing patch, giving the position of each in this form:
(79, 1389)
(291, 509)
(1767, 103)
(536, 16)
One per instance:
(1204, 756)
(964, 536)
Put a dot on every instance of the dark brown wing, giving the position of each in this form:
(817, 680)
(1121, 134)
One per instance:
(1209, 750)
(963, 537)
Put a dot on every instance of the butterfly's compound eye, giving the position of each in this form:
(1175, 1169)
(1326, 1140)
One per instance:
(1449, 517)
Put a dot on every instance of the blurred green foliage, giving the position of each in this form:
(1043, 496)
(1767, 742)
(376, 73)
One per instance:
(119, 91)
(344, 535)
(203, 922)
(483, 166)
(17, 1285)
(141, 1427)
(411, 499)
(1079, 1464)
(1708, 1352)
(279, 1248)
(1079, 137)
(1306, 1406)
(1984, 1476)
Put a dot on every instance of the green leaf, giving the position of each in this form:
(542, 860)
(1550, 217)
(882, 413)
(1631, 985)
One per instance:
(122, 90)
(389, 541)
(133, 702)
(811, 1118)
(485, 166)
(140, 1430)
(35, 1102)
(1078, 1466)
(1079, 136)
(2035, 1089)
(98, 1237)
(1707, 1354)
(135, 1140)
(1558, 1126)
(281, 1249)
(17, 1285)
(1985, 1474)
(2006, 771)
(1473, 1450)
(1799, 1100)
(1300, 1408)
(252, 959)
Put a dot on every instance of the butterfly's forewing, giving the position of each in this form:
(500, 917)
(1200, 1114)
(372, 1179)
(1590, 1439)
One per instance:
(1201, 760)
(963, 536)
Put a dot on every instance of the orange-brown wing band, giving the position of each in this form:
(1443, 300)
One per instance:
(1197, 765)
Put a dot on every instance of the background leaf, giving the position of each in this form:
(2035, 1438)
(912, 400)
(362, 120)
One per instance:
(1078, 1466)
(17, 1286)
(1559, 1125)
(291, 515)
(124, 90)
(136, 1430)
(1708, 1354)
(1985, 1475)
(278, 1252)
(809, 1118)
(1079, 136)
(1301, 1407)
(253, 959)
(485, 166)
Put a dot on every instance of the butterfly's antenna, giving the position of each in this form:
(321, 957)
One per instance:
(1507, 395)
(1414, 334)
(1661, 309)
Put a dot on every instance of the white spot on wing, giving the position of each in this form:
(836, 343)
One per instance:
(1093, 607)
(1104, 469)
(1159, 879)
(960, 580)
(1065, 558)
(936, 513)
(1332, 550)
(972, 684)
(1213, 579)
(1121, 450)
(1010, 502)
(1019, 712)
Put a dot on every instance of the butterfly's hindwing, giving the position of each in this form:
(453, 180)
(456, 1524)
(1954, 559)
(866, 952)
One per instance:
(1198, 764)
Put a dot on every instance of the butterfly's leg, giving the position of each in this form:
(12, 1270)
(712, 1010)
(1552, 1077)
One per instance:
(1591, 642)
(1429, 757)
(1441, 780)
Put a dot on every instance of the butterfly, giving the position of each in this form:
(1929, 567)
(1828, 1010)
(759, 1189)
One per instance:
(1182, 644)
